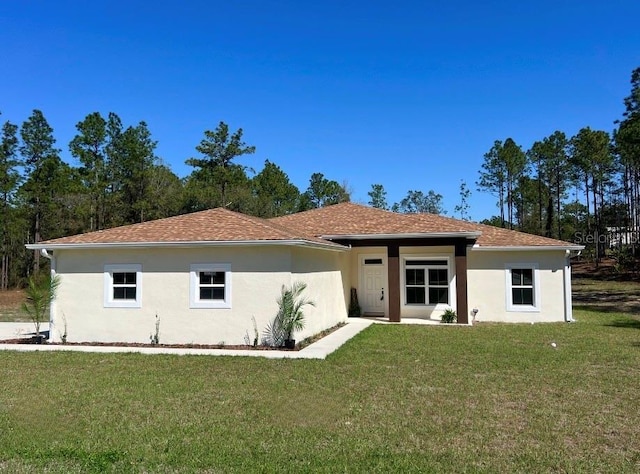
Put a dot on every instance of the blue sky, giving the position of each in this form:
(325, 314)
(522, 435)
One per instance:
(409, 94)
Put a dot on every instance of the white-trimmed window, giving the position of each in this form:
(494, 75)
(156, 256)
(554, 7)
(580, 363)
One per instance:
(210, 285)
(123, 285)
(426, 282)
(522, 287)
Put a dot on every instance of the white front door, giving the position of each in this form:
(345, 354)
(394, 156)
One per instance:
(372, 291)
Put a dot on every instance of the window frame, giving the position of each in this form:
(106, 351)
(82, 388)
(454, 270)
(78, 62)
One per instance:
(194, 286)
(535, 285)
(426, 265)
(109, 286)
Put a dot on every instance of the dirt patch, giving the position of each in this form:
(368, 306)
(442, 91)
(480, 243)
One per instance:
(603, 289)
(11, 299)
(605, 270)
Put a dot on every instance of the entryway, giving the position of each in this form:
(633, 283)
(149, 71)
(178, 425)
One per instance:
(372, 284)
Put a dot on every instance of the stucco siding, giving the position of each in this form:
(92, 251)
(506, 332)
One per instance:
(487, 285)
(323, 272)
(257, 275)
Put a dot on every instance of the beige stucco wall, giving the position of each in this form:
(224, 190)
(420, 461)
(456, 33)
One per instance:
(487, 284)
(322, 271)
(258, 274)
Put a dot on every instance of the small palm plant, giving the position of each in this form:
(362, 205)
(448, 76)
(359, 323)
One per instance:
(290, 316)
(41, 291)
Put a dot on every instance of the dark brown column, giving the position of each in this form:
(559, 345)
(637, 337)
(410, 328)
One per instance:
(393, 261)
(461, 283)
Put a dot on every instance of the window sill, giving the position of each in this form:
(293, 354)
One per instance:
(210, 305)
(523, 309)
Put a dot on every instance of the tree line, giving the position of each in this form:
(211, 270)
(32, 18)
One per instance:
(561, 187)
(583, 188)
(120, 180)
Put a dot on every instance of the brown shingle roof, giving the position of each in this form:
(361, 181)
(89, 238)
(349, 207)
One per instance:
(346, 219)
(355, 219)
(213, 225)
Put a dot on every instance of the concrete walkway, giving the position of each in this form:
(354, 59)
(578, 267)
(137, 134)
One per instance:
(318, 350)
(15, 330)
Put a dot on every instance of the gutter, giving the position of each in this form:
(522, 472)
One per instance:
(52, 306)
(195, 243)
(568, 302)
(414, 235)
(520, 248)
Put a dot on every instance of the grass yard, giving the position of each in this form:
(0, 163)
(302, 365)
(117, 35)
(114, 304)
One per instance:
(492, 398)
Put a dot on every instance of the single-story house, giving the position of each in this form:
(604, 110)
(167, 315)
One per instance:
(211, 277)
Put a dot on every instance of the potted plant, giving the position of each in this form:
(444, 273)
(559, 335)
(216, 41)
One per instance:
(290, 316)
(40, 291)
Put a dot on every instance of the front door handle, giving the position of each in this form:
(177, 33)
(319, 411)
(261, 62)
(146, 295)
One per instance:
(382, 294)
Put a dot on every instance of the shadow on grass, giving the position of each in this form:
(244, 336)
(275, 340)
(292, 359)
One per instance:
(627, 323)
(609, 308)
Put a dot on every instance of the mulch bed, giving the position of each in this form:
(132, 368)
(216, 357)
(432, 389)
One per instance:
(28, 340)
(301, 345)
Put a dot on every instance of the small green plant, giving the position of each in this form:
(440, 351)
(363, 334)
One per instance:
(290, 316)
(255, 332)
(41, 292)
(63, 336)
(155, 337)
(449, 316)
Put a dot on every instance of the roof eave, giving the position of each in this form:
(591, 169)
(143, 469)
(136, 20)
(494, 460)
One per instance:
(413, 235)
(186, 244)
(520, 248)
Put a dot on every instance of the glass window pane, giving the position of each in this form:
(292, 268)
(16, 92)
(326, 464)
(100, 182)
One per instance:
(211, 293)
(516, 277)
(124, 293)
(218, 278)
(426, 263)
(218, 293)
(206, 293)
(373, 261)
(517, 295)
(206, 278)
(438, 295)
(527, 277)
(415, 296)
(418, 276)
(411, 276)
(522, 296)
(124, 278)
(438, 277)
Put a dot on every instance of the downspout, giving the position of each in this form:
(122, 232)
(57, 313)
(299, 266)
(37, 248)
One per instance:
(52, 307)
(568, 303)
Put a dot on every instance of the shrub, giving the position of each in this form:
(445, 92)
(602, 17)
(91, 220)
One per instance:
(290, 317)
(449, 316)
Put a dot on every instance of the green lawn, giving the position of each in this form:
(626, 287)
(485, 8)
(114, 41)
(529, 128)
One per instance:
(492, 398)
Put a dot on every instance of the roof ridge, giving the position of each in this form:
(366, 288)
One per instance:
(289, 233)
